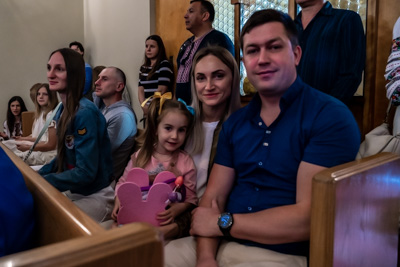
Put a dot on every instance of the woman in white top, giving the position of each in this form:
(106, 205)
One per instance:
(216, 95)
(45, 150)
(13, 126)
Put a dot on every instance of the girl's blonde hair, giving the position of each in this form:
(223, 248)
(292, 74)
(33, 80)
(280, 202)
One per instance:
(50, 105)
(233, 104)
(148, 138)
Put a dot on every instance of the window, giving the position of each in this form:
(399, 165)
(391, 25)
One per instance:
(224, 17)
(250, 6)
(359, 6)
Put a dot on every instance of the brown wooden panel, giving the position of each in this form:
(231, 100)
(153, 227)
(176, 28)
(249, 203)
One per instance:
(57, 218)
(355, 212)
(27, 118)
(170, 25)
(131, 245)
(66, 236)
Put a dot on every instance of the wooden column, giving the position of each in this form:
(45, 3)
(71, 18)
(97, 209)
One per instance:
(237, 29)
(170, 25)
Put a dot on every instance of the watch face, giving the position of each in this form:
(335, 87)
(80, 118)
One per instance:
(225, 220)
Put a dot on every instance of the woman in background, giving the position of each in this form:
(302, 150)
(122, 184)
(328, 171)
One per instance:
(156, 73)
(82, 168)
(392, 75)
(13, 125)
(45, 150)
(216, 95)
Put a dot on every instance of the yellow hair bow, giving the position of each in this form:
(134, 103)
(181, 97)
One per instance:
(167, 95)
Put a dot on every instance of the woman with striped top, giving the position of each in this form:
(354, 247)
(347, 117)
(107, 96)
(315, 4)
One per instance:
(156, 73)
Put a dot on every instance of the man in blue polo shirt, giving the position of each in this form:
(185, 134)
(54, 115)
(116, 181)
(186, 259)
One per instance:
(256, 208)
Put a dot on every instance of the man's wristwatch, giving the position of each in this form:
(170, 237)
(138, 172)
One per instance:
(225, 222)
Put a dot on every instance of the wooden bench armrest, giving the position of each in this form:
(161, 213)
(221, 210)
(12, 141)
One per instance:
(131, 245)
(57, 218)
(355, 213)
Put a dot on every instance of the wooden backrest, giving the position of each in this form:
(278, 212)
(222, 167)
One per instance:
(355, 213)
(57, 218)
(27, 118)
(131, 245)
(66, 236)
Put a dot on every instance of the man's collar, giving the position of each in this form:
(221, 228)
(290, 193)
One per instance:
(114, 102)
(286, 100)
(326, 10)
(202, 36)
(292, 93)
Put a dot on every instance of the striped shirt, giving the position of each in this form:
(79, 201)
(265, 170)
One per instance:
(162, 76)
(186, 60)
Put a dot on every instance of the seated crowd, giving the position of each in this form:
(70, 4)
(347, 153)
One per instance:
(241, 177)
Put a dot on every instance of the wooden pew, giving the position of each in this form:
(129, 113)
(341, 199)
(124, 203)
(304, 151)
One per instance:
(27, 118)
(66, 236)
(355, 213)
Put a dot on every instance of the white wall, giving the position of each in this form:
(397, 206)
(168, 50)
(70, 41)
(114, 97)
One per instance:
(112, 31)
(30, 31)
(115, 33)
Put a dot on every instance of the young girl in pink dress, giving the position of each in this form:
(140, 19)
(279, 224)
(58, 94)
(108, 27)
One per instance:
(169, 124)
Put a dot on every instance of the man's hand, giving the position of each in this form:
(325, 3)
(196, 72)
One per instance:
(205, 221)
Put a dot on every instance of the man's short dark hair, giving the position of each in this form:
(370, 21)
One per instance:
(78, 44)
(271, 15)
(206, 6)
(120, 74)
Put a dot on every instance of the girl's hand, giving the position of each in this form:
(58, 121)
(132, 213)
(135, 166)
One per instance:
(26, 138)
(23, 147)
(3, 135)
(166, 217)
(116, 209)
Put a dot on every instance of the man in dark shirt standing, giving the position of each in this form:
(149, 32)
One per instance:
(198, 20)
(333, 45)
